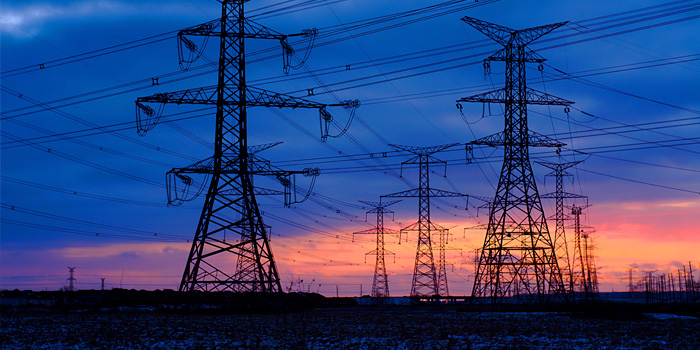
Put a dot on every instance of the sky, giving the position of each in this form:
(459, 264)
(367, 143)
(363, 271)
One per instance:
(81, 188)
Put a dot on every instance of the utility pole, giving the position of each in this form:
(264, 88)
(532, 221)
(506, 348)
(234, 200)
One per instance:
(231, 205)
(518, 252)
(380, 283)
(560, 243)
(71, 280)
(102, 287)
(425, 280)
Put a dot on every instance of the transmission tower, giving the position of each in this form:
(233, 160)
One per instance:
(380, 283)
(584, 274)
(518, 254)
(425, 280)
(590, 263)
(230, 205)
(71, 279)
(560, 243)
(443, 238)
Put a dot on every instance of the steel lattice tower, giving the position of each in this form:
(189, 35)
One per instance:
(425, 280)
(230, 205)
(71, 280)
(518, 253)
(443, 288)
(585, 279)
(560, 243)
(380, 283)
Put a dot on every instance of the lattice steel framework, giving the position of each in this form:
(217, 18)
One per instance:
(585, 277)
(518, 253)
(425, 280)
(380, 283)
(560, 242)
(244, 261)
(443, 286)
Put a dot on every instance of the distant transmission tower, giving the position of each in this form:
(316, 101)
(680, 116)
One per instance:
(230, 206)
(443, 238)
(71, 279)
(560, 243)
(518, 255)
(425, 280)
(380, 283)
(585, 278)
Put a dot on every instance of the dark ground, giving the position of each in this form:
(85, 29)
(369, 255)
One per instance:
(350, 328)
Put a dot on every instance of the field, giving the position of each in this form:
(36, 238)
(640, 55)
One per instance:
(350, 328)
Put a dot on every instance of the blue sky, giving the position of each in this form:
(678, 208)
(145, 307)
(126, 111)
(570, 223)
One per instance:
(639, 61)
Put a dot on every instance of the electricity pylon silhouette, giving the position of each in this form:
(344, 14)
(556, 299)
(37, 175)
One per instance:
(230, 205)
(560, 242)
(518, 252)
(443, 238)
(585, 279)
(380, 283)
(71, 280)
(425, 281)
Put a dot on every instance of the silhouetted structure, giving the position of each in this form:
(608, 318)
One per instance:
(380, 282)
(443, 238)
(679, 287)
(518, 255)
(71, 279)
(584, 273)
(425, 280)
(230, 205)
(560, 242)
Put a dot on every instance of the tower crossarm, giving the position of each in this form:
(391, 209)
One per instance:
(417, 226)
(506, 36)
(147, 117)
(532, 97)
(257, 166)
(252, 30)
(558, 166)
(432, 192)
(534, 140)
(380, 206)
(424, 150)
(254, 97)
(374, 231)
(565, 195)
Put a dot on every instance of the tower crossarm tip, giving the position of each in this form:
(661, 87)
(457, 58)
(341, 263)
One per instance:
(261, 191)
(496, 32)
(259, 148)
